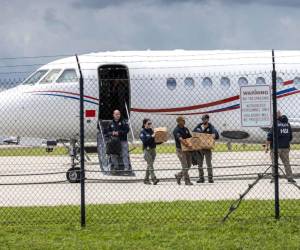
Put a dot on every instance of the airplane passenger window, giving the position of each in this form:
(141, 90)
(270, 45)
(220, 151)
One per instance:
(207, 82)
(189, 82)
(243, 81)
(297, 82)
(51, 76)
(171, 83)
(279, 80)
(260, 81)
(225, 82)
(69, 75)
(36, 77)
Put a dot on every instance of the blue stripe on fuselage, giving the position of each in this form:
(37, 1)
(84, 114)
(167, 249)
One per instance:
(70, 97)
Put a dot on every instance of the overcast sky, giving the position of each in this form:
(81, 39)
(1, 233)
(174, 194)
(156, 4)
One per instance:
(38, 27)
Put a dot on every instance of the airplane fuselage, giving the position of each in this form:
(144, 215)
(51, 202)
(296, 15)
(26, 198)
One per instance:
(162, 85)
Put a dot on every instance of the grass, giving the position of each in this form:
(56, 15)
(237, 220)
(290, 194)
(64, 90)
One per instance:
(34, 151)
(161, 149)
(219, 147)
(175, 225)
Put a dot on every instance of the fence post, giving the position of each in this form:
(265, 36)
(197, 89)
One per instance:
(275, 139)
(82, 171)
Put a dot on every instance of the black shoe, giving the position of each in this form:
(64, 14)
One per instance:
(189, 183)
(147, 182)
(155, 181)
(178, 179)
(272, 180)
(211, 181)
(131, 173)
(291, 181)
(201, 180)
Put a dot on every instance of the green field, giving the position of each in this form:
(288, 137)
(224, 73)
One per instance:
(34, 151)
(175, 225)
(219, 147)
(161, 149)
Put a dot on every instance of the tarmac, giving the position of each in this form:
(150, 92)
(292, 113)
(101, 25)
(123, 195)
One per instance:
(41, 181)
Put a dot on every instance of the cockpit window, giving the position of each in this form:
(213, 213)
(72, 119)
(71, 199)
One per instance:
(69, 75)
(51, 76)
(36, 77)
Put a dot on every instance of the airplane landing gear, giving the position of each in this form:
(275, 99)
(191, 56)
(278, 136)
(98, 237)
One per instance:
(73, 174)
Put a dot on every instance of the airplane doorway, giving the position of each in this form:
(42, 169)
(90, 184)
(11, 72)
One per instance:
(114, 91)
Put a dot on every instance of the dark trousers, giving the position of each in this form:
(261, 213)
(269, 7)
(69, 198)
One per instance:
(149, 156)
(185, 158)
(207, 154)
(284, 155)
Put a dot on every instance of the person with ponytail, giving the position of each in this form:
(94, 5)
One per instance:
(149, 148)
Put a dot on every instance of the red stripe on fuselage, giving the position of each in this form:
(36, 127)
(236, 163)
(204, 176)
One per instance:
(207, 112)
(204, 105)
(287, 82)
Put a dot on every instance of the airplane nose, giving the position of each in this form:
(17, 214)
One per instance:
(10, 112)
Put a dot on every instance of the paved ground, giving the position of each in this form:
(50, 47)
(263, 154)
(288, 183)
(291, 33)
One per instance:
(233, 171)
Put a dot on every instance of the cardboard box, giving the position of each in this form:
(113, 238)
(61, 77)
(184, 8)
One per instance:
(161, 134)
(199, 141)
(206, 141)
(193, 142)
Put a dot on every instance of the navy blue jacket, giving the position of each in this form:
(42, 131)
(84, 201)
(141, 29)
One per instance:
(121, 127)
(184, 133)
(285, 134)
(147, 139)
(209, 130)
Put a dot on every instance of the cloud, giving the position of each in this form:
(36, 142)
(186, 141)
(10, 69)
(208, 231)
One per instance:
(52, 20)
(101, 4)
(58, 27)
(283, 3)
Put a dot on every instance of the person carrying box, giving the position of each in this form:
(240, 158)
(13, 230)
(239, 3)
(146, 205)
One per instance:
(181, 133)
(207, 128)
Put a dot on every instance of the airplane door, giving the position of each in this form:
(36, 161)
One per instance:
(114, 93)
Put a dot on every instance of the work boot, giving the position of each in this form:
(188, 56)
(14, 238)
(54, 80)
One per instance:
(201, 180)
(178, 179)
(188, 182)
(113, 171)
(147, 182)
(155, 181)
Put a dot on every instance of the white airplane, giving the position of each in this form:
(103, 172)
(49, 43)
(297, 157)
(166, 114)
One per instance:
(11, 140)
(156, 84)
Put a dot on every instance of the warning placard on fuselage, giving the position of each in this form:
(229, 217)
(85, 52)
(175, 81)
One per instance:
(255, 106)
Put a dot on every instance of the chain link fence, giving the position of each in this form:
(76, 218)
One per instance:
(40, 171)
